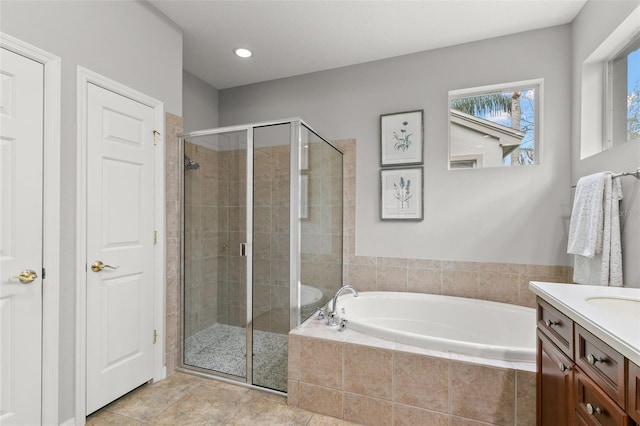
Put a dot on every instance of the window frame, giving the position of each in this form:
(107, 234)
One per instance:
(536, 84)
(609, 139)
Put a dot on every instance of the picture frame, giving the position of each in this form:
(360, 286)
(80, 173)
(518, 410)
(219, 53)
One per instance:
(402, 138)
(402, 194)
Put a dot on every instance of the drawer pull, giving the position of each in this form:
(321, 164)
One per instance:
(563, 367)
(595, 359)
(551, 323)
(593, 410)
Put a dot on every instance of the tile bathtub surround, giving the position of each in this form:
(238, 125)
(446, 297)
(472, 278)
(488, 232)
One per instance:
(376, 382)
(498, 282)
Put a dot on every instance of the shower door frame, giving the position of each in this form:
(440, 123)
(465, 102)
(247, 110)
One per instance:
(294, 236)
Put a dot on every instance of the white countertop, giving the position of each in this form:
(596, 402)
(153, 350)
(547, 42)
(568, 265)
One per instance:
(621, 333)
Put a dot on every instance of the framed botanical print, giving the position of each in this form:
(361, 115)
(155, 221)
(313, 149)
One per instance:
(401, 194)
(401, 138)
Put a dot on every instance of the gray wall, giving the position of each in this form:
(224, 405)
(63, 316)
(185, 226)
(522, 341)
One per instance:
(591, 27)
(199, 103)
(511, 215)
(129, 42)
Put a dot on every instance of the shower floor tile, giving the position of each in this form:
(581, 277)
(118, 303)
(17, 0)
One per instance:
(222, 348)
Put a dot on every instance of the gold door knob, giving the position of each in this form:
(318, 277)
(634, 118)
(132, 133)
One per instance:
(98, 266)
(25, 277)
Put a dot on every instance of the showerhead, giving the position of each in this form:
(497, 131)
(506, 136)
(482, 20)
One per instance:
(189, 164)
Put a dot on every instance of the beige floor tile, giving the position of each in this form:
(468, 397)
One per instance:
(262, 411)
(148, 401)
(109, 418)
(206, 405)
(272, 397)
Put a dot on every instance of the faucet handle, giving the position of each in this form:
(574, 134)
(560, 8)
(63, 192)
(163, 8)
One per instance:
(331, 319)
(320, 314)
(343, 325)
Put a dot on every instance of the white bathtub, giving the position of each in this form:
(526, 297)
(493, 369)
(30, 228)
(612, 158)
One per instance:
(444, 323)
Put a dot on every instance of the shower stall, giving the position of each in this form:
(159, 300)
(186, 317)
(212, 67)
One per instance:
(261, 245)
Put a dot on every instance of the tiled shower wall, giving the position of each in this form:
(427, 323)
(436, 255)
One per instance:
(215, 203)
(215, 273)
(271, 239)
(201, 210)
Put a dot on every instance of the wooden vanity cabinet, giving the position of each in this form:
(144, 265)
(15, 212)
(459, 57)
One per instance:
(633, 392)
(554, 398)
(581, 380)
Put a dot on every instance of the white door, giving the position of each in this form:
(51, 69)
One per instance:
(120, 234)
(21, 145)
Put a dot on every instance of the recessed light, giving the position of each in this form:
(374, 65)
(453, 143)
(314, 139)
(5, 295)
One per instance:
(242, 52)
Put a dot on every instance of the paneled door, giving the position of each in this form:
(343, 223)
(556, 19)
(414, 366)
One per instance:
(120, 246)
(21, 167)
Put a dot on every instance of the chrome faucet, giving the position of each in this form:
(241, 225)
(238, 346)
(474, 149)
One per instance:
(331, 317)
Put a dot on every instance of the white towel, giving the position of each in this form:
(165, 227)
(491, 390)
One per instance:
(587, 217)
(604, 267)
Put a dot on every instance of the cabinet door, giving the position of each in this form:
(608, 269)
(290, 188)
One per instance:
(633, 395)
(555, 384)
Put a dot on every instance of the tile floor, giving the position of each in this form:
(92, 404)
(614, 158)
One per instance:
(184, 399)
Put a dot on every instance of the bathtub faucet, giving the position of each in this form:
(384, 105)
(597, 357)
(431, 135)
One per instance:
(331, 317)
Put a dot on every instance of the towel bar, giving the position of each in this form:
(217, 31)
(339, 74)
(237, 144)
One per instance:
(635, 174)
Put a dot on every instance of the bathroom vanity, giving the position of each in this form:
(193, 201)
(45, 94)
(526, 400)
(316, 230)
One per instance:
(588, 355)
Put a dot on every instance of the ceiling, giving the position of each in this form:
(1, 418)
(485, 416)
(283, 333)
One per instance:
(298, 37)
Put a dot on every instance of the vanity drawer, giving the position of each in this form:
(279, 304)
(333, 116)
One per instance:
(602, 363)
(556, 325)
(594, 407)
(633, 397)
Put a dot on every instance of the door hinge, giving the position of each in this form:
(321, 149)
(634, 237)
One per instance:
(44, 273)
(155, 336)
(155, 137)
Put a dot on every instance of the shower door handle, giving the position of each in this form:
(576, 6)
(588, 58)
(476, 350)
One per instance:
(243, 249)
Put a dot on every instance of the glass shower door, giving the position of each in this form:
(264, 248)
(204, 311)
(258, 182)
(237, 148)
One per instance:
(271, 254)
(215, 263)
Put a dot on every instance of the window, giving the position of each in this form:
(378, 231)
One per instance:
(494, 126)
(623, 95)
(608, 107)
